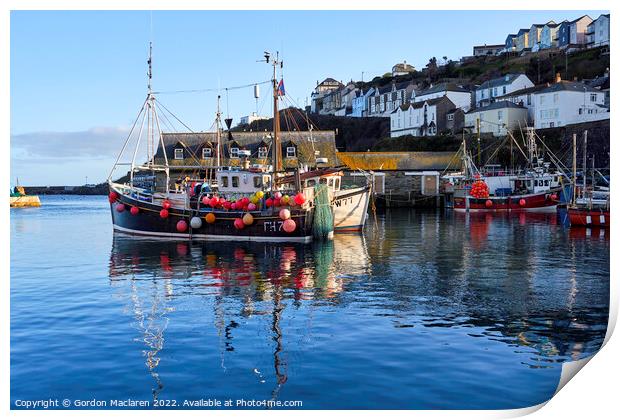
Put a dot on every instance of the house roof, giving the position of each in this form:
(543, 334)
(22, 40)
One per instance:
(420, 104)
(490, 46)
(442, 87)
(330, 81)
(323, 141)
(500, 81)
(522, 31)
(568, 86)
(579, 18)
(497, 105)
(524, 91)
(415, 161)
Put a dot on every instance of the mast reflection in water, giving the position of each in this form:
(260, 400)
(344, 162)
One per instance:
(424, 310)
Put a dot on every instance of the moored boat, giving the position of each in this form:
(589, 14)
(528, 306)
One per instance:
(19, 198)
(247, 204)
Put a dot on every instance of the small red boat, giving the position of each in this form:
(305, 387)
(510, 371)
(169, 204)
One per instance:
(580, 216)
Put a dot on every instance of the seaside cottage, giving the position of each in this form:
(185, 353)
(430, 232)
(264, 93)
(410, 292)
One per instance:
(497, 118)
(424, 118)
(501, 86)
(460, 96)
(597, 32)
(568, 102)
(195, 154)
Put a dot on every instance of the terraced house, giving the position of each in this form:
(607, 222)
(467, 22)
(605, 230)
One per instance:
(387, 98)
(487, 92)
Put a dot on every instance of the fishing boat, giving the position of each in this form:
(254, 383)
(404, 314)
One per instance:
(249, 204)
(590, 206)
(534, 189)
(19, 198)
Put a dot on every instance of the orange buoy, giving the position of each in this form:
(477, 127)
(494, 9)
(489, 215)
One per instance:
(210, 218)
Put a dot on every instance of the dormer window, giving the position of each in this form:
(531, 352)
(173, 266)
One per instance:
(206, 152)
(234, 152)
(178, 154)
(262, 152)
(291, 152)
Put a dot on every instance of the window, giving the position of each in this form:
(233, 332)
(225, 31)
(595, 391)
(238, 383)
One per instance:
(580, 111)
(206, 152)
(593, 97)
(555, 98)
(529, 99)
(290, 152)
(494, 91)
(178, 153)
(331, 182)
(450, 117)
(234, 152)
(235, 182)
(337, 184)
(500, 115)
(258, 182)
(262, 152)
(225, 181)
(551, 124)
(504, 90)
(542, 99)
(310, 183)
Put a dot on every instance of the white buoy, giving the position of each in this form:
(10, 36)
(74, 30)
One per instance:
(196, 222)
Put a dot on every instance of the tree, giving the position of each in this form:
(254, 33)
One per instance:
(431, 69)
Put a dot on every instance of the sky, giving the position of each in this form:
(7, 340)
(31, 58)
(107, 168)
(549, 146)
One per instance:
(78, 78)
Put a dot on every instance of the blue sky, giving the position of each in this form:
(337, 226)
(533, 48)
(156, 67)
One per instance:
(79, 78)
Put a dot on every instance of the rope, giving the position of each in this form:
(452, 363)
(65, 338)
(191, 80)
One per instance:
(168, 92)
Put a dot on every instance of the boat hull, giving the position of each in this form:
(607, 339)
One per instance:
(588, 217)
(25, 201)
(267, 226)
(351, 209)
(542, 202)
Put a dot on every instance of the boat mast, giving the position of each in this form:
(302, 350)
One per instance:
(573, 199)
(276, 147)
(585, 161)
(218, 131)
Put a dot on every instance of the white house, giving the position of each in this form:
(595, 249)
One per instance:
(501, 86)
(566, 102)
(485, 50)
(525, 98)
(597, 33)
(423, 118)
(460, 97)
(522, 40)
(497, 118)
(387, 98)
(360, 101)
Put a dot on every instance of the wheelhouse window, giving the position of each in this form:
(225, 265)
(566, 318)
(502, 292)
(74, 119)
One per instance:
(178, 153)
(258, 181)
(291, 151)
(262, 152)
(206, 152)
(235, 182)
(593, 97)
(225, 181)
(234, 152)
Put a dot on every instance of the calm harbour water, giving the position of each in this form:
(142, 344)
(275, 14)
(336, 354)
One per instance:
(429, 310)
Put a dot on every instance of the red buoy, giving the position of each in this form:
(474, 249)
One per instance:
(113, 196)
(239, 223)
(163, 214)
(522, 202)
(166, 204)
(206, 201)
(134, 210)
(269, 202)
(120, 207)
(181, 226)
(554, 197)
(488, 204)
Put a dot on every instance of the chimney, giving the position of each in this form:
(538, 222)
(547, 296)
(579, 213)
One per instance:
(558, 78)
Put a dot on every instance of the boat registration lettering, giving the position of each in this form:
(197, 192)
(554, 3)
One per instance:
(343, 201)
(273, 226)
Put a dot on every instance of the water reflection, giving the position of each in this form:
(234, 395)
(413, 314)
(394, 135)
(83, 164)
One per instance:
(522, 281)
(158, 272)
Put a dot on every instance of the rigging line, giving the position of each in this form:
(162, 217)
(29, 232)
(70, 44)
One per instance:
(128, 138)
(211, 89)
(175, 117)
